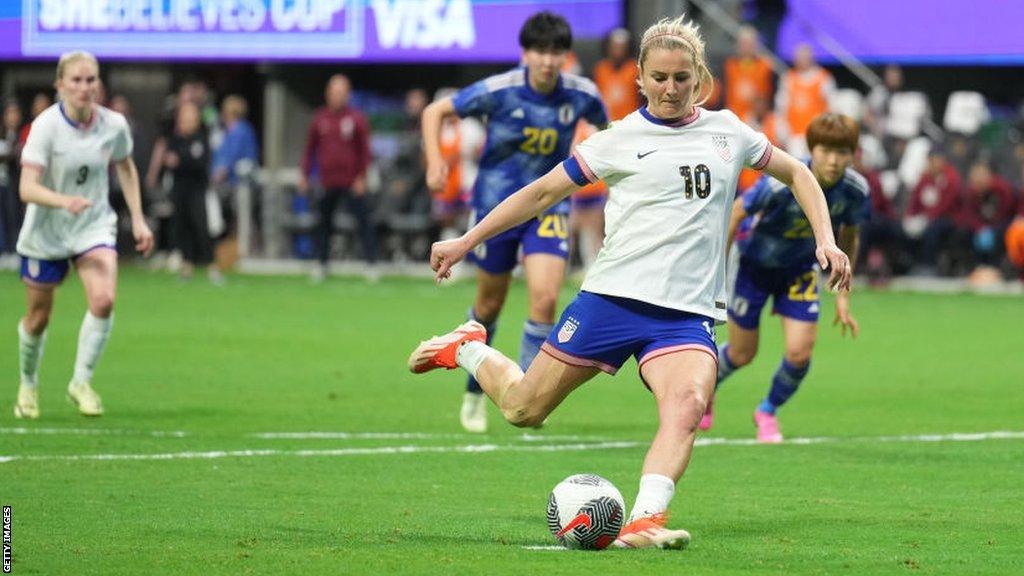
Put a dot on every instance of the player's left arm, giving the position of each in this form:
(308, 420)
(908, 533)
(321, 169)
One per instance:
(849, 242)
(128, 176)
(798, 177)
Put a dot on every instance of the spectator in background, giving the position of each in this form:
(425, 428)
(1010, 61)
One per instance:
(881, 236)
(586, 221)
(10, 172)
(1014, 240)
(930, 219)
(988, 208)
(40, 102)
(239, 143)
(761, 118)
(878, 100)
(338, 145)
(415, 101)
(748, 74)
(616, 75)
(187, 158)
(804, 93)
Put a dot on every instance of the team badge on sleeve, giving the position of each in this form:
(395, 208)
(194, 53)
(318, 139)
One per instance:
(566, 114)
(567, 330)
(721, 145)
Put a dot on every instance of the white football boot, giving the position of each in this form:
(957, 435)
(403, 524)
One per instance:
(27, 406)
(88, 401)
(474, 413)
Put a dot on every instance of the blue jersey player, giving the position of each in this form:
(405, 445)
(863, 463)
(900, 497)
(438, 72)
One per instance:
(531, 114)
(776, 247)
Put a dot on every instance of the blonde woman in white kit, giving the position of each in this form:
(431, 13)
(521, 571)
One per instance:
(657, 287)
(69, 221)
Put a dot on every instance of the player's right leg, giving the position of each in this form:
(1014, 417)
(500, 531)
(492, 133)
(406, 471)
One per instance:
(525, 399)
(41, 278)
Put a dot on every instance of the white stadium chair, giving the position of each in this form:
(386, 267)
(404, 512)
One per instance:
(966, 112)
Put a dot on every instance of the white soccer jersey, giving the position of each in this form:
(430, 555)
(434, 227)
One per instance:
(75, 160)
(670, 193)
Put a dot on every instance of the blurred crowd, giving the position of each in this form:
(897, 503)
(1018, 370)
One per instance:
(945, 193)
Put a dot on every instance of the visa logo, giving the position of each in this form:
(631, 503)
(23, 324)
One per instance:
(421, 24)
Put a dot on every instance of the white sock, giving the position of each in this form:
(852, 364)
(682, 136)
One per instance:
(656, 492)
(92, 339)
(30, 353)
(471, 355)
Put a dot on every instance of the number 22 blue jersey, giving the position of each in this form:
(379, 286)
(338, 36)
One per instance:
(776, 234)
(528, 133)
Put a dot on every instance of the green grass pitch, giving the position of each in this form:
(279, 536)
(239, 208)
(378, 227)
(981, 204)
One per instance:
(221, 375)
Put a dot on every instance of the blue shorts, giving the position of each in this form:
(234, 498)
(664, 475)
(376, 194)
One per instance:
(604, 331)
(794, 293)
(51, 272)
(589, 202)
(548, 234)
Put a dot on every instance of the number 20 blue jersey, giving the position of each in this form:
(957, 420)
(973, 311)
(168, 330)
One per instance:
(528, 133)
(776, 234)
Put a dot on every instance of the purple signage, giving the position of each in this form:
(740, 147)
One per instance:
(909, 31)
(287, 30)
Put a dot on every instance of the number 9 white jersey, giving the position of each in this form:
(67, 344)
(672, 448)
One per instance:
(75, 160)
(671, 189)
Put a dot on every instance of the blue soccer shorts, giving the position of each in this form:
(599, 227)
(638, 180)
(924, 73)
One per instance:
(38, 272)
(547, 234)
(604, 331)
(794, 293)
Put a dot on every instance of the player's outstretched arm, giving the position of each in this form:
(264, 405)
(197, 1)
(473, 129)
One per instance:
(798, 177)
(529, 201)
(128, 176)
(32, 191)
(433, 115)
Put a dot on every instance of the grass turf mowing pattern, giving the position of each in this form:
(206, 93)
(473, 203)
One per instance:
(278, 355)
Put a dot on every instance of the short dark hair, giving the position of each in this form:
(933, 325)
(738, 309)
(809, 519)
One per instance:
(545, 30)
(834, 130)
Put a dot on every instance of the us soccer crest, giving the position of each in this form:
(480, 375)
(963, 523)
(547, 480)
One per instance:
(567, 330)
(565, 114)
(721, 145)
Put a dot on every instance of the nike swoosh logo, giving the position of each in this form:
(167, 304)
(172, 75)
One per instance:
(640, 156)
(579, 520)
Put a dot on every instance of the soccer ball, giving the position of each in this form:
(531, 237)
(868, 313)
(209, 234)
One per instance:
(585, 512)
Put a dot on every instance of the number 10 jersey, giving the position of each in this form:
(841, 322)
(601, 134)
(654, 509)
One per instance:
(670, 193)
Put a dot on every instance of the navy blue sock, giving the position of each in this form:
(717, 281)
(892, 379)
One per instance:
(784, 384)
(534, 335)
(471, 384)
(725, 366)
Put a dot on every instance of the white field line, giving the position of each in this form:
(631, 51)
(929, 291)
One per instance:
(471, 448)
(547, 548)
(482, 448)
(22, 431)
(527, 437)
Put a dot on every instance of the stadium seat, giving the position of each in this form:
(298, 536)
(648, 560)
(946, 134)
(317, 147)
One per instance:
(907, 112)
(849, 102)
(966, 112)
(914, 161)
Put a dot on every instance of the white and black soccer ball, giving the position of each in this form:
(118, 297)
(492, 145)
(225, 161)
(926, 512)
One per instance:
(585, 512)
